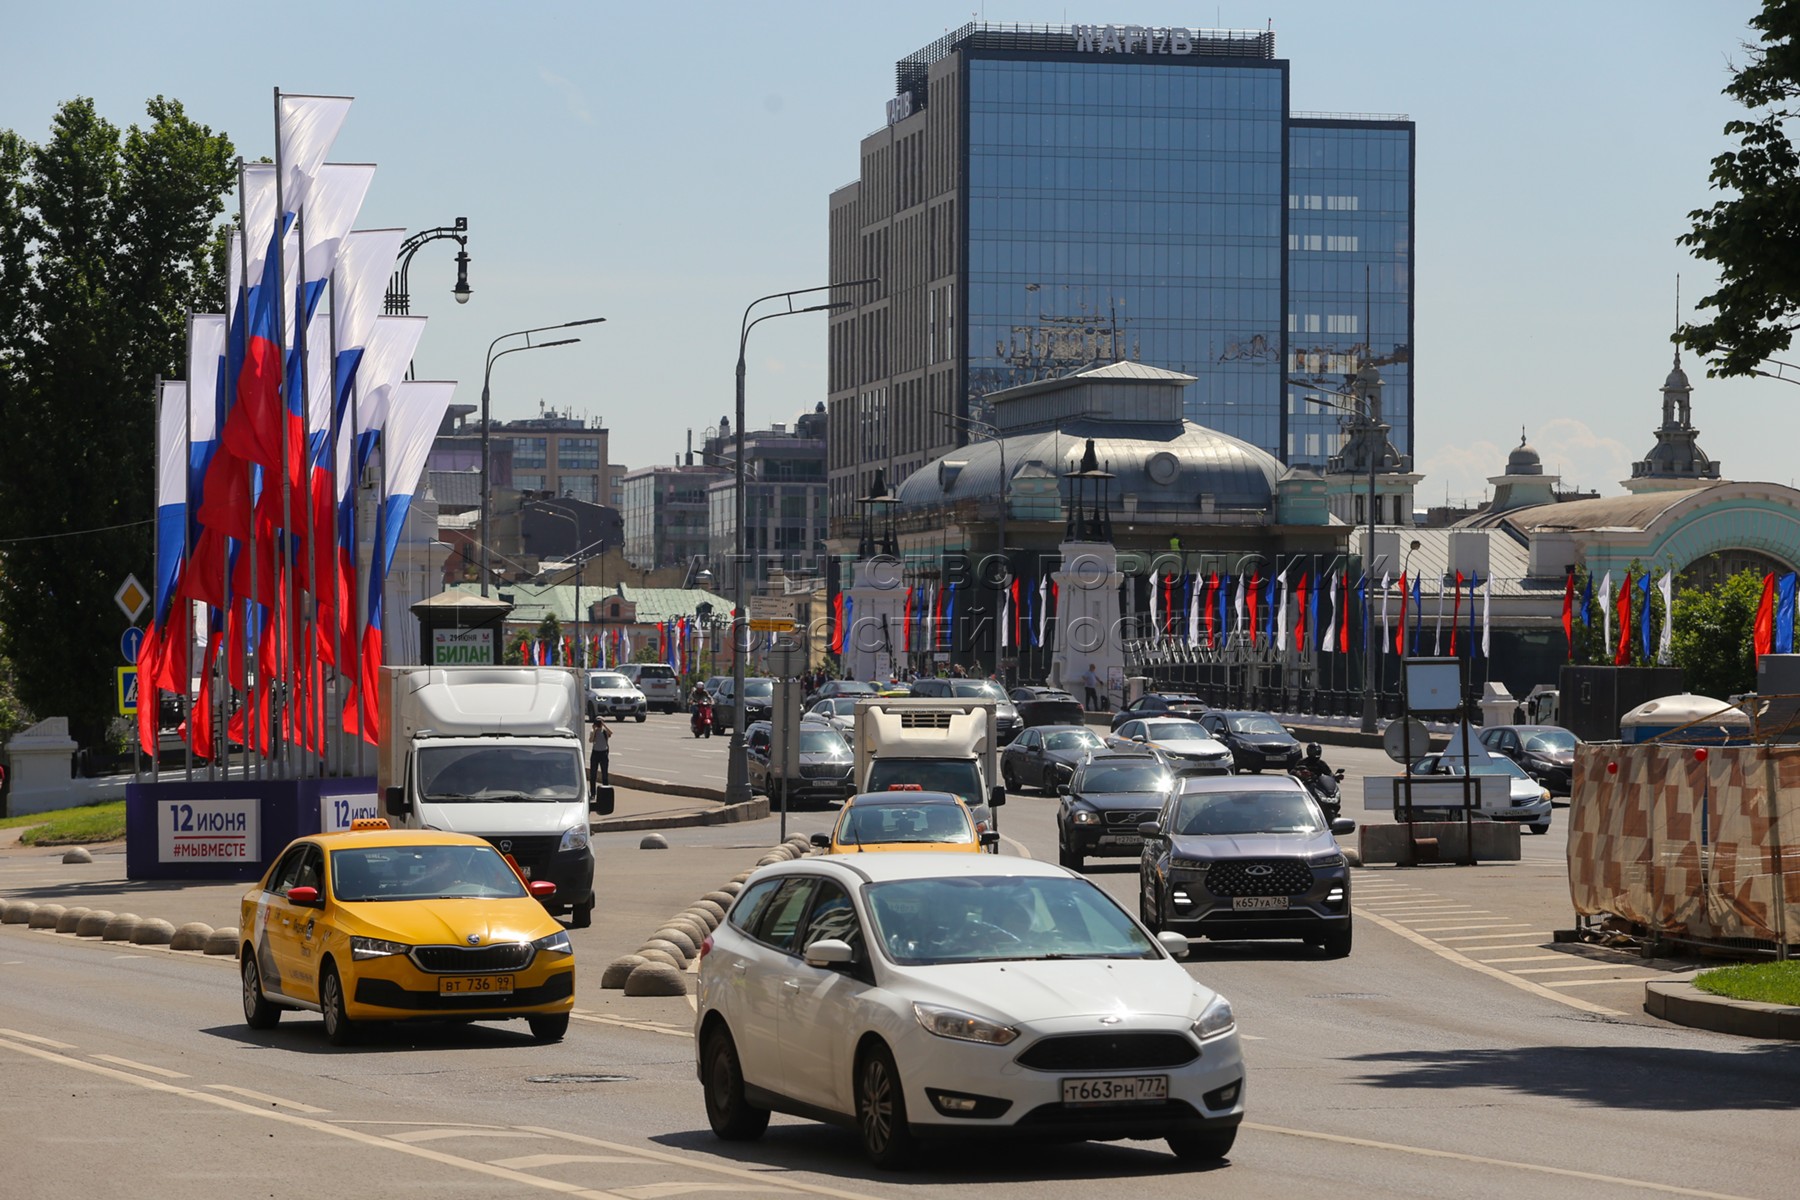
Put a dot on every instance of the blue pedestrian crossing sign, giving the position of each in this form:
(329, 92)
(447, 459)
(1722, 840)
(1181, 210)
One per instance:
(130, 642)
(128, 691)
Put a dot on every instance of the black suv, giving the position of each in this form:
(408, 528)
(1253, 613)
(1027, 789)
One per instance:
(1547, 752)
(1006, 717)
(1111, 795)
(1162, 704)
(825, 763)
(1256, 740)
(1230, 857)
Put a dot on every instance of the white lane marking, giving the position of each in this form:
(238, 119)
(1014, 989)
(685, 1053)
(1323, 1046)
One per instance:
(1020, 847)
(416, 1136)
(117, 957)
(138, 1066)
(1481, 937)
(317, 1126)
(1251, 1037)
(753, 1177)
(655, 1191)
(32, 1037)
(1451, 954)
(1446, 914)
(1478, 925)
(1596, 982)
(247, 1094)
(1507, 946)
(1569, 970)
(1523, 958)
(1483, 1160)
(13, 962)
(640, 1026)
(419, 1124)
(528, 1162)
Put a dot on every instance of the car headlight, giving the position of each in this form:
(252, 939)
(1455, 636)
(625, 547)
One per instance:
(962, 1026)
(575, 837)
(555, 943)
(362, 948)
(1544, 794)
(1084, 817)
(1217, 1019)
(1330, 858)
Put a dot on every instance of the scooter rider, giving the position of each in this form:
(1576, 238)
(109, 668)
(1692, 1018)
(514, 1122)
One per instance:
(1315, 762)
(700, 703)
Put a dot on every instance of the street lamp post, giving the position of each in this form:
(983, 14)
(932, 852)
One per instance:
(487, 485)
(1365, 389)
(737, 776)
(398, 301)
(993, 434)
(581, 559)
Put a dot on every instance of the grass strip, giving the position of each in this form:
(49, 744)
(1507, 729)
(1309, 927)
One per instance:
(1768, 983)
(71, 826)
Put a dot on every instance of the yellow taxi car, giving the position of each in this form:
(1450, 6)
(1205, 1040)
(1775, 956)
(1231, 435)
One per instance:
(378, 924)
(905, 818)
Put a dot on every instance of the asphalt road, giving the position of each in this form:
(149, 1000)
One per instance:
(1422, 1065)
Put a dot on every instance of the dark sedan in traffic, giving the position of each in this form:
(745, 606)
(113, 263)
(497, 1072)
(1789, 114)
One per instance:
(1047, 706)
(1547, 752)
(1046, 758)
(1256, 740)
(1111, 795)
(1162, 704)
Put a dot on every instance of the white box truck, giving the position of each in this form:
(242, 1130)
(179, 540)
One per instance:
(499, 752)
(941, 744)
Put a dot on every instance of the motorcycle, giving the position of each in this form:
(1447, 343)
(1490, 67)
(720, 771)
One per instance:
(701, 722)
(1325, 789)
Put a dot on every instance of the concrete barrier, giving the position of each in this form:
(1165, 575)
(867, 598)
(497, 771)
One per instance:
(655, 979)
(619, 970)
(1685, 1004)
(191, 936)
(221, 941)
(94, 923)
(153, 931)
(1442, 841)
(71, 919)
(45, 916)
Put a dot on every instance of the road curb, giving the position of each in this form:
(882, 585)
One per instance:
(668, 787)
(729, 814)
(1685, 1004)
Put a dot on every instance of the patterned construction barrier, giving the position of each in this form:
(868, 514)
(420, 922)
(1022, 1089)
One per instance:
(1692, 842)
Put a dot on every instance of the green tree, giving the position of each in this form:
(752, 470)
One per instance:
(105, 245)
(1753, 235)
(1714, 628)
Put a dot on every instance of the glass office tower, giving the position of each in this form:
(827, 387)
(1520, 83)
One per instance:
(1045, 197)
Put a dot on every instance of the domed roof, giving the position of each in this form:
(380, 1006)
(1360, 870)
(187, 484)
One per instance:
(1524, 460)
(1677, 380)
(1166, 467)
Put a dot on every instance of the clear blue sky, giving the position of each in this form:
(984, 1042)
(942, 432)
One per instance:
(661, 165)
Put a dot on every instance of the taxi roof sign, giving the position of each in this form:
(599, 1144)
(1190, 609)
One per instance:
(369, 823)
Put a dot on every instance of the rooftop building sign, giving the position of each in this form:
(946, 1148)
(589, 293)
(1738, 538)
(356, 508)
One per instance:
(1133, 39)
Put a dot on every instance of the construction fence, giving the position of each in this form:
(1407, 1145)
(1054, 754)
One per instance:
(1689, 842)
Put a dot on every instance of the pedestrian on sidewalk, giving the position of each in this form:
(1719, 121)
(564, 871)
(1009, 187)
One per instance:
(600, 757)
(1090, 679)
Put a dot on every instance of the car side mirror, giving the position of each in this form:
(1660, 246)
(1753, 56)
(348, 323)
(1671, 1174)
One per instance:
(997, 796)
(1176, 944)
(1149, 829)
(394, 800)
(830, 952)
(1339, 774)
(1062, 789)
(1342, 826)
(542, 889)
(821, 840)
(601, 802)
(990, 837)
(1138, 738)
(305, 897)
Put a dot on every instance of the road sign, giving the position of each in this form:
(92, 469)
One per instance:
(128, 691)
(130, 642)
(772, 614)
(1408, 732)
(132, 598)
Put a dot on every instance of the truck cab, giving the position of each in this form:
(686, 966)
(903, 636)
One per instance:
(947, 744)
(499, 752)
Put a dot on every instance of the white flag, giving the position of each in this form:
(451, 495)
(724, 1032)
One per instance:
(1330, 645)
(1666, 644)
(415, 412)
(1155, 627)
(305, 127)
(1196, 589)
(1043, 613)
(1240, 608)
(1606, 595)
(1005, 617)
(1387, 641)
(1281, 612)
(1487, 594)
(1437, 629)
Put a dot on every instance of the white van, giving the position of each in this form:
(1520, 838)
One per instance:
(658, 682)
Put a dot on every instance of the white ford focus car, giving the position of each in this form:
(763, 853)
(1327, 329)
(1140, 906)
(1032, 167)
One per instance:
(938, 995)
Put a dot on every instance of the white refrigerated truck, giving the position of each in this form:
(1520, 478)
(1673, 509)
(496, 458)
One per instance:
(500, 752)
(940, 744)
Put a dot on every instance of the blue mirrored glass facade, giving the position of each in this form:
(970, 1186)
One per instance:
(1130, 210)
(1349, 256)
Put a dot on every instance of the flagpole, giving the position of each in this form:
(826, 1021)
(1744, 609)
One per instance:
(334, 743)
(187, 549)
(303, 583)
(283, 627)
(356, 598)
(252, 768)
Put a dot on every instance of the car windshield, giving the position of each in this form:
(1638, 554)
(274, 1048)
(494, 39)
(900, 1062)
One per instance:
(923, 922)
(870, 822)
(1124, 777)
(655, 673)
(1072, 739)
(1256, 725)
(823, 741)
(853, 687)
(422, 873)
(1231, 813)
(1553, 741)
(1175, 731)
(608, 683)
(956, 776)
(977, 689)
(499, 772)
(1482, 764)
(759, 688)
(840, 707)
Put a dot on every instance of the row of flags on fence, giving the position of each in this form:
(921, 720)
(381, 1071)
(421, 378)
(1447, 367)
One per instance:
(1609, 604)
(286, 404)
(1307, 611)
(1774, 628)
(678, 644)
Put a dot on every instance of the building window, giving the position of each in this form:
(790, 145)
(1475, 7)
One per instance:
(528, 483)
(1358, 498)
(578, 454)
(1345, 243)
(530, 452)
(580, 487)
